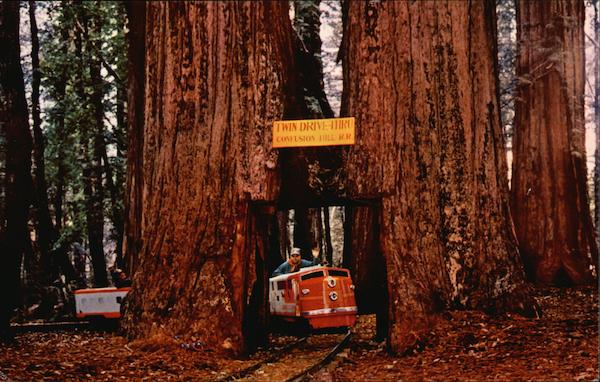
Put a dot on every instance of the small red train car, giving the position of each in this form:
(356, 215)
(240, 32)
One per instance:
(324, 296)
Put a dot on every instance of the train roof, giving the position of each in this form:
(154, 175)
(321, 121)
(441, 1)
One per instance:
(302, 271)
(101, 290)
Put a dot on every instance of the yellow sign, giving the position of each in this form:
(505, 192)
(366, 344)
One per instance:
(313, 132)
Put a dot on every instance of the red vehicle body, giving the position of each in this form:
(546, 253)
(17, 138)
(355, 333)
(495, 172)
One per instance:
(324, 296)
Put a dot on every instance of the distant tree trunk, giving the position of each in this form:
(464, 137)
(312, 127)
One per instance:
(16, 186)
(430, 145)
(115, 210)
(328, 246)
(284, 240)
(61, 137)
(597, 121)
(92, 143)
(307, 24)
(119, 186)
(43, 222)
(549, 188)
(136, 63)
(57, 261)
(317, 227)
(312, 176)
(305, 231)
(114, 176)
(60, 175)
(96, 225)
(217, 75)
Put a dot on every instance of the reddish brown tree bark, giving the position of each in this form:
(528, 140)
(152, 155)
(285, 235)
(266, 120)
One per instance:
(430, 145)
(596, 26)
(136, 62)
(216, 76)
(16, 144)
(362, 255)
(549, 182)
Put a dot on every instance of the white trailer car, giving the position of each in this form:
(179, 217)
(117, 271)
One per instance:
(99, 302)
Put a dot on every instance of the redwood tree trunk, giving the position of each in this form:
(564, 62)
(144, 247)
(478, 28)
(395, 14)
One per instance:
(597, 122)
(16, 182)
(549, 182)
(216, 76)
(92, 143)
(362, 255)
(430, 145)
(136, 62)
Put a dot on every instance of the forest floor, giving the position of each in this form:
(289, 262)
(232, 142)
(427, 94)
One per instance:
(560, 346)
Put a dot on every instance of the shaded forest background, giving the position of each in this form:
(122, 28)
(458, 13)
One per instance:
(75, 70)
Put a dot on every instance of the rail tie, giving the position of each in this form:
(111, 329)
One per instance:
(244, 372)
(49, 326)
(304, 375)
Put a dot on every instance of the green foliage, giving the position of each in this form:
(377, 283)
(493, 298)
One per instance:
(68, 123)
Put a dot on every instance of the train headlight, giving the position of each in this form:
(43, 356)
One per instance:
(333, 296)
(305, 291)
(331, 282)
(352, 286)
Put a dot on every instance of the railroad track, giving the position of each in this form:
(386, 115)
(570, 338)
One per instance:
(295, 362)
(50, 326)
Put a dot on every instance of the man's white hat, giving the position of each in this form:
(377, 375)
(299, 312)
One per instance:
(295, 251)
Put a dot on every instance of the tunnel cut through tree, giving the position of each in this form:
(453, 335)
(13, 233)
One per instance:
(549, 197)
(363, 257)
(430, 144)
(216, 75)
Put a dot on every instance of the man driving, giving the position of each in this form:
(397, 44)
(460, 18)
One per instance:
(295, 262)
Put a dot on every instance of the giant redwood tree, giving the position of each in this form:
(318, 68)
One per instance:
(216, 76)
(420, 78)
(136, 63)
(15, 163)
(549, 187)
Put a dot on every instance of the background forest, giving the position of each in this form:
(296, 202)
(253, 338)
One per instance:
(70, 182)
(74, 66)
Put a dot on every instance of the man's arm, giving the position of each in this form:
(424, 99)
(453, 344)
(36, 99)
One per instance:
(315, 255)
(306, 263)
(280, 270)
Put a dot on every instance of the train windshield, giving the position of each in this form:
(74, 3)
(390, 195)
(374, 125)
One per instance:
(313, 275)
(335, 272)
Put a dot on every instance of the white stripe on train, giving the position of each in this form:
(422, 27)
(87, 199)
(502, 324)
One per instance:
(329, 311)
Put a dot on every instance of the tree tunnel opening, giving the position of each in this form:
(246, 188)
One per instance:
(344, 234)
